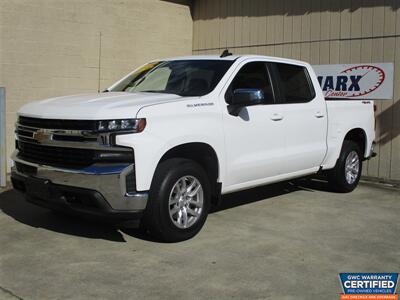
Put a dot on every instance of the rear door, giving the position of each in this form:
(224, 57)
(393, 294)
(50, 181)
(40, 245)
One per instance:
(305, 117)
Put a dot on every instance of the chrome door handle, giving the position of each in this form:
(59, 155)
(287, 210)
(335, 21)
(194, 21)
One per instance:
(319, 114)
(276, 117)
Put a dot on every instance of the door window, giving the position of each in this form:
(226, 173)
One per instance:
(253, 75)
(294, 83)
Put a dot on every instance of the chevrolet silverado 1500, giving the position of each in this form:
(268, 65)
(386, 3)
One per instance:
(164, 142)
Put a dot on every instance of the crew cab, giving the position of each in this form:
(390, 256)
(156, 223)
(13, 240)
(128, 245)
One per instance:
(166, 141)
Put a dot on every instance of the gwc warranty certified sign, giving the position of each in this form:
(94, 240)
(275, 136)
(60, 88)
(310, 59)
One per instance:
(356, 81)
(368, 286)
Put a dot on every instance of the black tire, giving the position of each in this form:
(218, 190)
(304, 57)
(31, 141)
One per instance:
(337, 176)
(156, 217)
(58, 212)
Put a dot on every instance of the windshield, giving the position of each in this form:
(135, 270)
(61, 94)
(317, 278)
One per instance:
(180, 77)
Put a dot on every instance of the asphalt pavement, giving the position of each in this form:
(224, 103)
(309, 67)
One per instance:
(284, 241)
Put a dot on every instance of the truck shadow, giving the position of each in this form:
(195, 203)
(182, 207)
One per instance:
(266, 192)
(13, 204)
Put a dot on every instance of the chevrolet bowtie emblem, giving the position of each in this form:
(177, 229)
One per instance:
(41, 136)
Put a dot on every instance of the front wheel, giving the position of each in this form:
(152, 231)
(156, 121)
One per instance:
(179, 200)
(346, 174)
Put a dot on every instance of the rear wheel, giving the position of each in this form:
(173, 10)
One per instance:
(346, 174)
(179, 200)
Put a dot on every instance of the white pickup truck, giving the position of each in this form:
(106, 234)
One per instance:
(162, 144)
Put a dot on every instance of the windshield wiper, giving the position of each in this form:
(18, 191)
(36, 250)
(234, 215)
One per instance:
(161, 92)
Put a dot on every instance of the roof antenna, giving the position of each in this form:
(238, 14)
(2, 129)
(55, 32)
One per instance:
(226, 53)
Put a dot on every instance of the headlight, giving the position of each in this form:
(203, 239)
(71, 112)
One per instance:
(128, 125)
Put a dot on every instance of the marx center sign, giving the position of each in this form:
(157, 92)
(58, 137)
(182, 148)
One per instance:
(356, 81)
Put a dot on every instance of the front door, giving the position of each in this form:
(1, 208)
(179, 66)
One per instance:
(254, 140)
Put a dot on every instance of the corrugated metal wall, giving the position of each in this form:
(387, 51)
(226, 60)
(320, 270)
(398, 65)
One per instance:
(317, 31)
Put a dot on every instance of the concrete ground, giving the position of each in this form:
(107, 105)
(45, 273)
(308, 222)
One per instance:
(285, 241)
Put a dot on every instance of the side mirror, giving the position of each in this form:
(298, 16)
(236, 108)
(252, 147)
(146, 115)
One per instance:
(244, 97)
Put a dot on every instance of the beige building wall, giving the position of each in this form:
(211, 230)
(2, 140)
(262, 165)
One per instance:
(53, 47)
(317, 31)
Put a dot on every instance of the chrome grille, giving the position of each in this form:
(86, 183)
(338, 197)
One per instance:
(58, 137)
(66, 147)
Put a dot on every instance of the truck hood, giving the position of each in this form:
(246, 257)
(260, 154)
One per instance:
(95, 106)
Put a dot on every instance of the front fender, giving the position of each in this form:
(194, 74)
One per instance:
(170, 125)
(149, 151)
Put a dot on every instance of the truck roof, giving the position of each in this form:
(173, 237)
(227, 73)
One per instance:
(234, 57)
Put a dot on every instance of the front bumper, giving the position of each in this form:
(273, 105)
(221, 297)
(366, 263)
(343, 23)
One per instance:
(97, 190)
